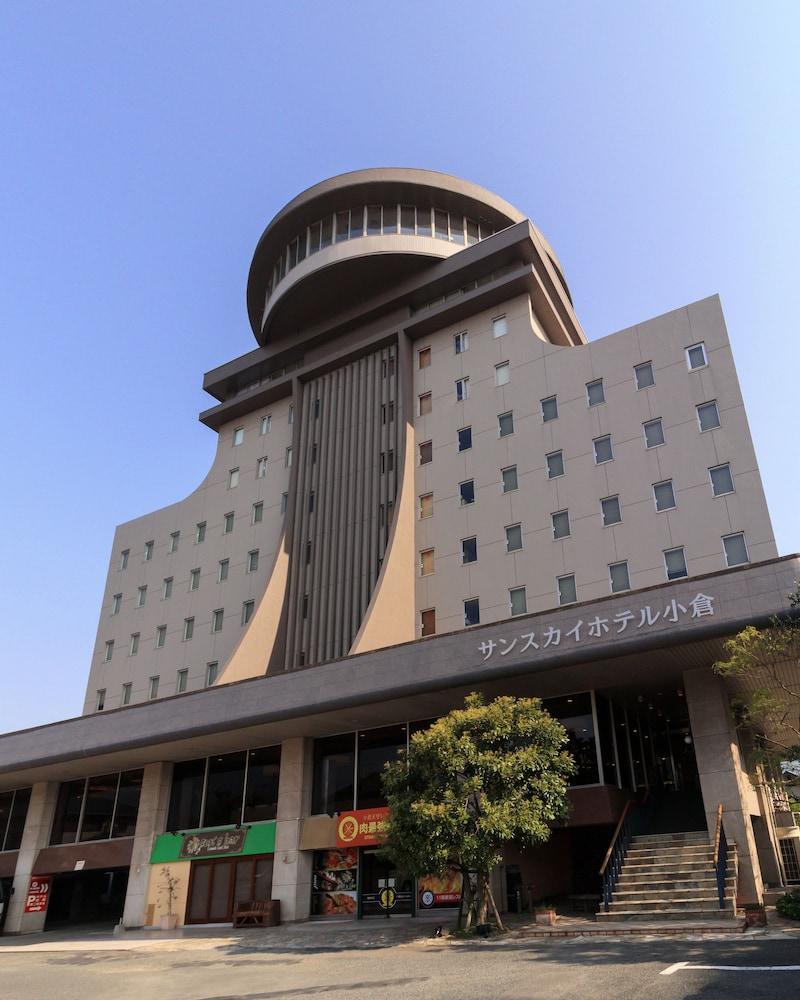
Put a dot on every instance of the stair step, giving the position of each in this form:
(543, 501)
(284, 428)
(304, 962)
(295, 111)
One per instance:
(670, 892)
(685, 851)
(657, 905)
(642, 840)
(686, 916)
(633, 883)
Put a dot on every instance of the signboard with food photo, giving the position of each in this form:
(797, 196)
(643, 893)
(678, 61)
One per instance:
(335, 882)
(439, 890)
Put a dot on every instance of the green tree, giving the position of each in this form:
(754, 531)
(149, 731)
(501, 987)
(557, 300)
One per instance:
(478, 778)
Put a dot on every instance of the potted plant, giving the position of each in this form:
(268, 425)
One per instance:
(169, 890)
(544, 913)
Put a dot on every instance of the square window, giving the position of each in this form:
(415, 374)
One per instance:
(217, 619)
(222, 574)
(555, 464)
(472, 611)
(502, 373)
(182, 681)
(188, 629)
(735, 549)
(513, 538)
(426, 505)
(257, 515)
(708, 415)
(675, 563)
(126, 693)
(461, 342)
(466, 492)
(620, 580)
(116, 604)
(134, 646)
(499, 327)
(594, 392)
(469, 550)
(161, 636)
(644, 375)
(194, 579)
(287, 458)
(664, 495)
(462, 389)
(561, 524)
(505, 424)
(261, 468)
(426, 562)
(426, 453)
(509, 479)
(425, 403)
(428, 622)
(247, 611)
(696, 357)
(174, 539)
(653, 433)
(603, 451)
(212, 670)
(424, 358)
(465, 439)
(721, 480)
(518, 601)
(148, 551)
(252, 561)
(141, 596)
(266, 424)
(123, 558)
(167, 592)
(550, 408)
(200, 533)
(109, 651)
(152, 690)
(238, 436)
(567, 592)
(611, 511)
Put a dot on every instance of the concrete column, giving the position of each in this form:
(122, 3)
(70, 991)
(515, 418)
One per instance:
(150, 821)
(723, 778)
(35, 836)
(291, 875)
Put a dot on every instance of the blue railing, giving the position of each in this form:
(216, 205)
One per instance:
(632, 822)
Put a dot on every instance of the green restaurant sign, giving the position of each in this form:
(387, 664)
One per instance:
(229, 841)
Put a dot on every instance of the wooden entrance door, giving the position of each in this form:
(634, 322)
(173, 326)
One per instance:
(216, 886)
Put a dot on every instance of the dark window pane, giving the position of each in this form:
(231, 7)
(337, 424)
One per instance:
(623, 750)
(356, 221)
(187, 795)
(327, 231)
(6, 798)
(575, 715)
(423, 222)
(261, 797)
(407, 219)
(225, 789)
(19, 813)
(130, 788)
(201, 883)
(373, 220)
(99, 807)
(375, 748)
(334, 763)
(606, 741)
(390, 218)
(68, 812)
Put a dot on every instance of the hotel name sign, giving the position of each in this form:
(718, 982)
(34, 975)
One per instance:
(701, 606)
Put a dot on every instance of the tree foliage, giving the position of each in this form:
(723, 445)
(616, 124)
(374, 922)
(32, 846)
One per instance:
(478, 778)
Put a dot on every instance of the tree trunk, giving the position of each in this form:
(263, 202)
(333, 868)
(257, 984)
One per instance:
(494, 907)
(483, 898)
(469, 900)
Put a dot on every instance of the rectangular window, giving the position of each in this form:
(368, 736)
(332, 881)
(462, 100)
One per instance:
(342, 226)
(425, 452)
(305, 611)
(611, 511)
(426, 505)
(261, 468)
(499, 327)
(133, 649)
(594, 392)
(407, 219)
(126, 693)
(423, 222)
(509, 475)
(721, 480)
(227, 526)
(148, 550)
(461, 342)
(266, 424)
(356, 222)
(505, 424)
(425, 403)
(549, 409)
(424, 358)
(238, 436)
(109, 651)
(194, 579)
(116, 604)
(653, 433)
(174, 539)
(311, 498)
(152, 688)
(290, 416)
(466, 492)
(222, 572)
(167, 592)
(675, 563)
(644, 375)
(441, 230)
(217, 619)
(188, 629)
(735, 549)
(618, 574)
(161, 636)
(513, 538)
(233, 479)
(374, 215)
(426, 562)
(560, 524)
(555, 464)
(464, 439)
(469, 550)
(183, 681)
(472, 232)
(603, 451)
(462, 389)
(141, 596)
(287, 459)
(456, 228)
(124, 556)
(284, 504)
(428, 622)
(708, 415)
(247, 611)
(472, 611)
(252, 561)
(696, 357)
(518, 601)
(326, 233)
(390, 219)
(317, 408)
(664, 495)
(257, 514)
(212, 670)
(502, 373)
(567, 591)
(200, 533)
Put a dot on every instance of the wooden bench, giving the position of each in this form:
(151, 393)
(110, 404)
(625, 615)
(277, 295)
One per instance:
(257, 913)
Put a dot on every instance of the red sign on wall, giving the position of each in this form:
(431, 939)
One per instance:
(362, 827)
(38, 894)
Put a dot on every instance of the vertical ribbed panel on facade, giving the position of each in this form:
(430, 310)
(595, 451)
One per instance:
(346, 484)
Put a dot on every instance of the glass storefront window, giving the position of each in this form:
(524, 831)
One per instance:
(261, 795)
(375, 748)
(130, 789)
(99, 808)
(16, 822)
(608, 756)
(224, 789)
(68, 812)
(6, 801)
(334, 763)
(623, 746)
(574, 712)
(187, 795)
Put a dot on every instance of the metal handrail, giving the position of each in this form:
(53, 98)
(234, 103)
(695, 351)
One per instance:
(718, 833)
(614, 838)
(720, 857)
(615, 855)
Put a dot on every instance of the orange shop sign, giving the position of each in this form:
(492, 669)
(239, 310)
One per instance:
(362, 827)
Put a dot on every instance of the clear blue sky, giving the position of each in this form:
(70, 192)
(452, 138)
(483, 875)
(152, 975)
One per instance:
(145, 146)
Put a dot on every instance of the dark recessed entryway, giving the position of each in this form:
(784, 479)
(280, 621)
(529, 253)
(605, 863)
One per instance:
(87, 897)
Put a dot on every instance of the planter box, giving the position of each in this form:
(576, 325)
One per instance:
(168, 921)
(547, 917)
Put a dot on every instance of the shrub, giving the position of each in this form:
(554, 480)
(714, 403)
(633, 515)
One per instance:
(789, 905)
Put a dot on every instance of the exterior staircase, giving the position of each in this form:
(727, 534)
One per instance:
(671, 876)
